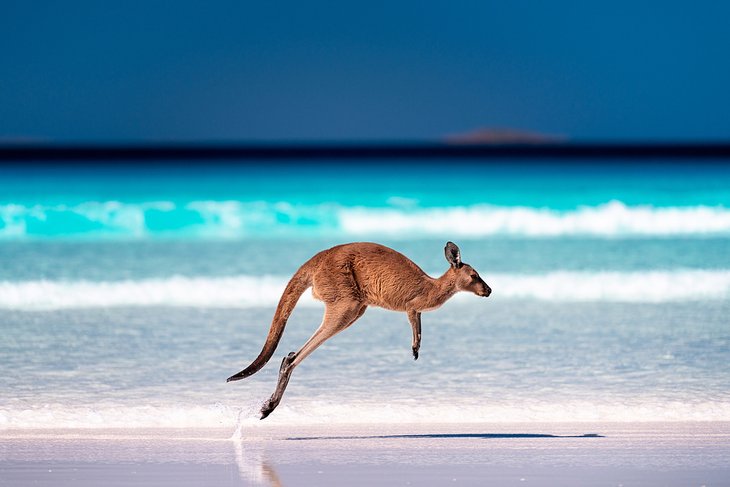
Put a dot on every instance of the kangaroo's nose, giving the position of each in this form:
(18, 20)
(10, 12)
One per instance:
(487, 291)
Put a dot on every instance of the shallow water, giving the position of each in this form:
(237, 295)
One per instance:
(127, 296)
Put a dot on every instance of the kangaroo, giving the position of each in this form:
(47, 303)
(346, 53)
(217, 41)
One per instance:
(350, 277)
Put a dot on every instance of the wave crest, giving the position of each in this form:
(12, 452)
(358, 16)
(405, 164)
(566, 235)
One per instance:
(251, 292)
(607, 220)
(235, 219)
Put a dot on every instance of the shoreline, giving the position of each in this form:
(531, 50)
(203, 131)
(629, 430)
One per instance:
(649, 453)
(253, 429)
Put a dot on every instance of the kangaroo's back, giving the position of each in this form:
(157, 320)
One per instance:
(368, 272)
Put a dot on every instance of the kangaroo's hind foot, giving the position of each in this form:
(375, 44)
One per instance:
(284, 373)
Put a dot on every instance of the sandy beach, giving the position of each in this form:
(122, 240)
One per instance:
(610, 454)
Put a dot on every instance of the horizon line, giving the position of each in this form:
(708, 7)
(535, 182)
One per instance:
(158, 150)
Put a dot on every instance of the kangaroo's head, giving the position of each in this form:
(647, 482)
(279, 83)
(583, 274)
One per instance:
(467, 278)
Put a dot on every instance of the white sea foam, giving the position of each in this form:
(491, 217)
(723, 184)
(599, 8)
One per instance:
(236, 219)
(265, 291)
(610, 219)
(234, 292)
(372, 411)
(648, 286)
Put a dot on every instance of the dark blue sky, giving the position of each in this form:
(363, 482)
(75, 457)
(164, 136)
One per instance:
(262, 71)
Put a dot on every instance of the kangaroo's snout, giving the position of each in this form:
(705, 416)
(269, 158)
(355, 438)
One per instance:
(486, 291)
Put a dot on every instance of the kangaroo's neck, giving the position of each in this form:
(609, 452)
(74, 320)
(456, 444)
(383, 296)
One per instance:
(442, 289)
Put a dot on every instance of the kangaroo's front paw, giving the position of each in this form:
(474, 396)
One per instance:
(415, 353)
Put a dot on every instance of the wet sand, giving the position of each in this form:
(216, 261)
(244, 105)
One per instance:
(610, 454)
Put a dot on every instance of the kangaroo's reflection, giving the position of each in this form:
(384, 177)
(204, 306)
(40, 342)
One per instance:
(253, 468)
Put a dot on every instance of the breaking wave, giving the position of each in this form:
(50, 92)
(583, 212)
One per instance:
(251, 292)
(375, 411)
(236, 219)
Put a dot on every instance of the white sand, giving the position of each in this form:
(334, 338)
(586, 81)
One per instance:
(628, 454)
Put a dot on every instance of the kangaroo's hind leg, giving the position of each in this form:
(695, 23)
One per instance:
(337, 317)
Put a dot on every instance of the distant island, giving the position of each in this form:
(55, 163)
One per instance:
(503, 136)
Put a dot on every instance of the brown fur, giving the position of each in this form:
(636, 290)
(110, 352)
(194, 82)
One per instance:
(348, 278)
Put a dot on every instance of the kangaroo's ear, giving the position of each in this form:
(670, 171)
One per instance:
(453, 255)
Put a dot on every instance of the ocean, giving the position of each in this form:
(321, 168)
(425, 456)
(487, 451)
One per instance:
(130, 292)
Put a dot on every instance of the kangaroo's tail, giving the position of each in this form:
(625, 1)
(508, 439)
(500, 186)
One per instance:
(299, 282)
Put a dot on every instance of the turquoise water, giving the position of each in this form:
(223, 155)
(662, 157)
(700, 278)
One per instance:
(356, 200)
(129, 293)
